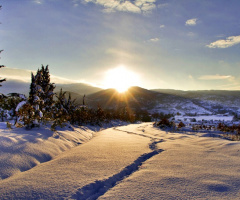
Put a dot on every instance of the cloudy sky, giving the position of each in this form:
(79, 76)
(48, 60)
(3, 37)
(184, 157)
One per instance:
(176, 44)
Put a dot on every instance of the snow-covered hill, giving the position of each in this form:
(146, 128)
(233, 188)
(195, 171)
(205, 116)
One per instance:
(169, 101)
(22, 149)
(211, 101)
(134, 162)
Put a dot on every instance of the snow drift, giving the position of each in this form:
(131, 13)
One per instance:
(22, 149)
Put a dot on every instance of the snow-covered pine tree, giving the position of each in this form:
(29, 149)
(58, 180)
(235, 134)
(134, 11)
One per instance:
(43, 80)
(48, 89)
(33, 90)
(40, 98)
(34, 101)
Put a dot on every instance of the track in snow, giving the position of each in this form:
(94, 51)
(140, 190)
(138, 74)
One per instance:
(98, 188)
(154, 141)
(94, 190)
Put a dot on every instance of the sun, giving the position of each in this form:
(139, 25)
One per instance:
(121, 79)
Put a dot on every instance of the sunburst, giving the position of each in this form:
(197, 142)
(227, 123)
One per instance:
(121, 79)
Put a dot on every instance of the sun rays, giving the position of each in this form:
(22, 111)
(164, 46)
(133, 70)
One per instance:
(120, 78)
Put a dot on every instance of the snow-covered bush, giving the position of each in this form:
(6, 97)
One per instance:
(181, 125)
(63, 110)
(8, 105)
(165, 123)
(26, 115)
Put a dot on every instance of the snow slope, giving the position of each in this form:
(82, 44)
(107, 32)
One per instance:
(63, 177)
(190, 167)
(22, 149)
(135, 162)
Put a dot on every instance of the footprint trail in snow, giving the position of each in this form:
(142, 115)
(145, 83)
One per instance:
(98, 188)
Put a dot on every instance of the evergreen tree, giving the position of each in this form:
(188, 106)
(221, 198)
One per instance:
(100, 116)
(35, 114)
(43, 80)
(33, 90)
(60, 114)
(40, 100)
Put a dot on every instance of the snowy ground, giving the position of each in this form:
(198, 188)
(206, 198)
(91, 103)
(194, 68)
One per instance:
(205, 117)
(23, 149)
(134, 162)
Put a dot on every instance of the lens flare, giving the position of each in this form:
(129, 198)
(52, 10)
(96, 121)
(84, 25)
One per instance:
(121, 79)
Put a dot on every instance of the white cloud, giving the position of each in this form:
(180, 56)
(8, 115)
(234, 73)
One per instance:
(137, 6)
(230, 41)
(216, 77)
(38, 1)
(140, 3)
(127, 6)
(191, 22)
(25, 75)
(148, 7)
(154, 40)
(162, 26)
(19, 74)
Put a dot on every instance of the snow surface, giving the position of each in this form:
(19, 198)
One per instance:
(136, 161)
(205, 117)
(190, 167)
(106, 154)
(22, 149)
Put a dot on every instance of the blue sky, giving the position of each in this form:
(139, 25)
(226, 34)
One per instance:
(175, 44)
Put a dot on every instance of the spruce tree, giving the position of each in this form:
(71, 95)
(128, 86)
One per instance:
(43, 80)
(40, 100)
(33, 91)
(34, 102)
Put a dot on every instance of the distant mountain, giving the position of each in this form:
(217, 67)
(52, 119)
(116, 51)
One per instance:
(219, 101)
(200, 93)
(159, 100)
(169, 101)
(11, 86)
(74, 96)
(135, 97)
(22, 87)
(79, 88)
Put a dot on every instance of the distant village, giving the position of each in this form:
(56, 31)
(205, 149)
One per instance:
(221, 124)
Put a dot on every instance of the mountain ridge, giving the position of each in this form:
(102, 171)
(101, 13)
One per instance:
(152, 100)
